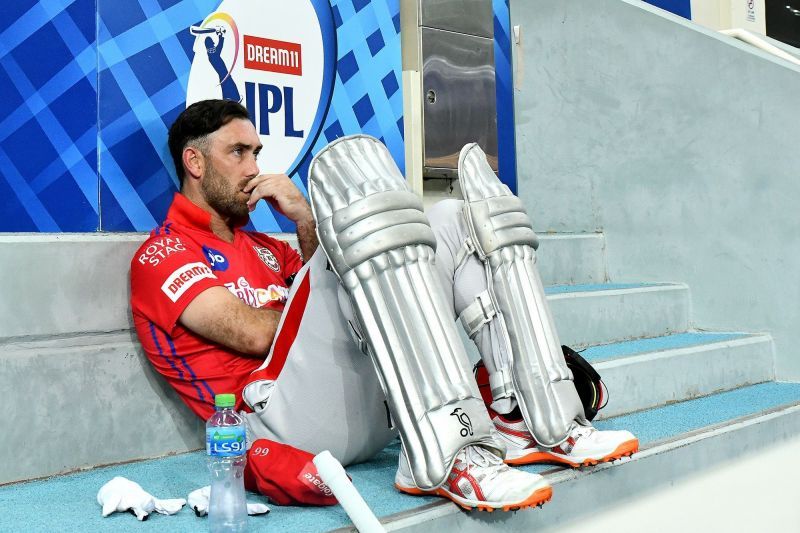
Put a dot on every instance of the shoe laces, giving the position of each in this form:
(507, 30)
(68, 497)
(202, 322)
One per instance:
(478, 456)
(582, 431)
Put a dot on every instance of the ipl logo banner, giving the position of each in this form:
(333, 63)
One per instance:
(278, 59)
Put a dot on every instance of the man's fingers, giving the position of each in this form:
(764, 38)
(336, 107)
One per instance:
(259, 187)
(255, 196)
(271, 186)
(270, 194)
(255, 182)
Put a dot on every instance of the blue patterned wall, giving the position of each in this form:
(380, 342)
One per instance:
(48, 117)
(88, 89)
(59, 110)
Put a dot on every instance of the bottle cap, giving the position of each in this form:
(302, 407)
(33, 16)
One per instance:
(225, 400)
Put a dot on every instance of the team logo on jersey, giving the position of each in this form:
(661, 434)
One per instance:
(216, 259)
(256, 296)
(268, 257)
(278, 59)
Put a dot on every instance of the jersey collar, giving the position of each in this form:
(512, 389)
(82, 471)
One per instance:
(184, 212)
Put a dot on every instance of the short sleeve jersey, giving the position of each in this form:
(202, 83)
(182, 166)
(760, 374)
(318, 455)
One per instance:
(181, 259)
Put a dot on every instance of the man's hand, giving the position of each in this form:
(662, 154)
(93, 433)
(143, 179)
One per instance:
(286, 198)
(281, 193)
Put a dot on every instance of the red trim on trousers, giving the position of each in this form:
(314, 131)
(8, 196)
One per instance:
(287, 334)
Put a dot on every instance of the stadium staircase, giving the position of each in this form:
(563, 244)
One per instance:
(89, 408)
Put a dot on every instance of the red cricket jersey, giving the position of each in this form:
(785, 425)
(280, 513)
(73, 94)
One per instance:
(181, 259)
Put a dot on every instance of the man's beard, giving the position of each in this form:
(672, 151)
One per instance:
(224, 198)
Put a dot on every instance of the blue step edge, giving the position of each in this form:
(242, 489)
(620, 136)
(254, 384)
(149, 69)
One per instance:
(598, 287)
(69, 502)
(616, 350)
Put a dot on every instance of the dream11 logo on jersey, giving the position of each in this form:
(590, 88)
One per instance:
(278, 59)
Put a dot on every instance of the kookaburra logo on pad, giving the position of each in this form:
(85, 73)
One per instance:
(463, 419)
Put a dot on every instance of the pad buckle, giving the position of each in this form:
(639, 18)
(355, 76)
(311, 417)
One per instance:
(481, 311)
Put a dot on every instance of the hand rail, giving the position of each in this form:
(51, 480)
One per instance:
(752, 39)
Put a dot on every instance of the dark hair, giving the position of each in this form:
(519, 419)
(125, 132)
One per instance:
(198, 120)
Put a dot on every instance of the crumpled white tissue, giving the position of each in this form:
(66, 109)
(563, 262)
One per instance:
(121, 494)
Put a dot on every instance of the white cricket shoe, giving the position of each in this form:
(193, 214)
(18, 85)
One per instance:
(584, 446)
(480, 480)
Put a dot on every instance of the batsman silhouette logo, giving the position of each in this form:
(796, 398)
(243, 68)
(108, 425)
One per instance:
(276, 58)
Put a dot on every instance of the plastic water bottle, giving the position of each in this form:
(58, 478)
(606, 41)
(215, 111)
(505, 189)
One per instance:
(226, 445)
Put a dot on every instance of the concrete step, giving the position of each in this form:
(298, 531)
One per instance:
(676, 441)
(610, 312)
(71, 283)
(645, 373)
(89, 400)
(65, 270)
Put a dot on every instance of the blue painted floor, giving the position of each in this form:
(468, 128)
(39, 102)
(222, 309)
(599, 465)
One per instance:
(67, 503)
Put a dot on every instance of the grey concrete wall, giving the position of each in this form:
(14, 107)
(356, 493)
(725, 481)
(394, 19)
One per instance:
(88, 400)
(677, 142)
(54, 284)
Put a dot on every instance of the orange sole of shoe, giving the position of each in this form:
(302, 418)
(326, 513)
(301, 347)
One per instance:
(626, 449)
(538, 498)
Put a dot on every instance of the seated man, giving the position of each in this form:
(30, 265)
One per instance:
(210, 301)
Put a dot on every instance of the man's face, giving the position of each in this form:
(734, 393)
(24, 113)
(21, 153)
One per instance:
(230, 164)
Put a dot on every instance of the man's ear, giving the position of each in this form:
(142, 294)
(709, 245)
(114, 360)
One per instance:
(194, 162)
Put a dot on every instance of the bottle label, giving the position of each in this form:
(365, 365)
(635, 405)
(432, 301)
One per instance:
(227, 441)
